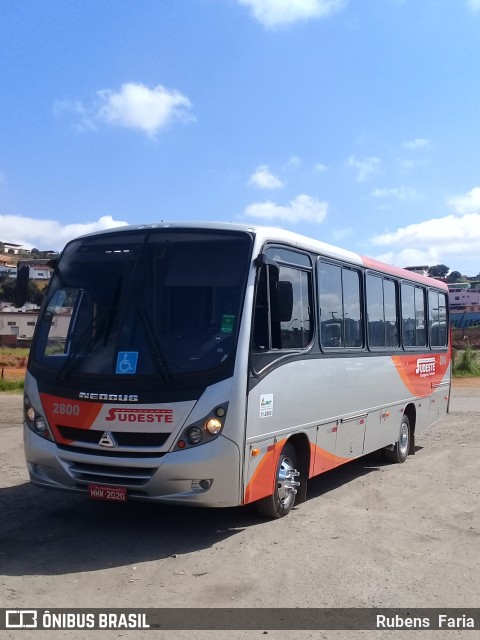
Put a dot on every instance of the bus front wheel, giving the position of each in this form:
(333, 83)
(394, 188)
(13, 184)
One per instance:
(281, 501)
(399, 451)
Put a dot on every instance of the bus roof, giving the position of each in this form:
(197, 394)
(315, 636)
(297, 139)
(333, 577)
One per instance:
(277, 234)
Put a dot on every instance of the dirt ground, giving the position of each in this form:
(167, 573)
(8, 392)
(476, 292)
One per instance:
(369, 535)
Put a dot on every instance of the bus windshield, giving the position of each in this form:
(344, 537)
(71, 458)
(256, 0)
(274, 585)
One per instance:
(153, 302)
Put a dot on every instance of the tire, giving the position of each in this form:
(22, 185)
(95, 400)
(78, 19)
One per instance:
(399, 452)
(280, 503)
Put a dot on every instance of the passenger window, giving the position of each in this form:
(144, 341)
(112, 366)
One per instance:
(340, 307)
(390, 303)
(282, 318)
(295, 330)
(413, 316)
(352, 308)
(408, 315)
(375, 312)
(437, 319)
(420, 317)
(382, 312)
(331, 305)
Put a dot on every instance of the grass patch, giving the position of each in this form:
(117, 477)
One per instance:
(21, 352)
(466, 363)
(11, 385)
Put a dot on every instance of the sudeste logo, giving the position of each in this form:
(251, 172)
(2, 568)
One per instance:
(140, 415)
(425, 367)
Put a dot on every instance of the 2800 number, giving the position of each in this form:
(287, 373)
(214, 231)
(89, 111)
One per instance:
(66, 409)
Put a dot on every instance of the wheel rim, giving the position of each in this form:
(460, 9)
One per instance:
(403, 439)
(286, 483)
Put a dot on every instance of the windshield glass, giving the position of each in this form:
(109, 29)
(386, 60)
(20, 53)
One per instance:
(151, 303)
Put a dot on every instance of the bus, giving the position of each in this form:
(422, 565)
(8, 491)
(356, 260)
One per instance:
(218, 365)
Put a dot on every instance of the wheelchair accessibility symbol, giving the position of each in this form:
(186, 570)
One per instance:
(127, 362)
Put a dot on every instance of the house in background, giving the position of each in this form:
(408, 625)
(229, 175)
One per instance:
(7, 270)
(15, 249)
(17, 326)
(462, 295)
(422, 269)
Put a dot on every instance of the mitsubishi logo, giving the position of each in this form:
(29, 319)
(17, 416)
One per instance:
(107, 440)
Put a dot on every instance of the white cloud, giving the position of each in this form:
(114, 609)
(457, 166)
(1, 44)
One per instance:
(474, 5)
(413, 257)
(416, 143)
(48, 234)
(453, 239)
(400, 193)
(439, 240)
(366, 168)
(321, 167)
(274, 13)
(448, 230)
(138, 107)
(264, 179)
(468, 203)
(133, 106)
(302, 208)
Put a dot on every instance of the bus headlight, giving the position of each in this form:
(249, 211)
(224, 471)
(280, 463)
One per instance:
(29, 414)
(35, 421)
(213, 426)
(40, 426)
(194, 435)
(204, 430)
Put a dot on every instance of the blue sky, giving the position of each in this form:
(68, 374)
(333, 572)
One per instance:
(354, 122)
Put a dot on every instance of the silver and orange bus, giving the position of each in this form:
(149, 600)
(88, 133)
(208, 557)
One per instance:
(220, 364)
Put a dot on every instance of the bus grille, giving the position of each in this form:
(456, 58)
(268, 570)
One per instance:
(111, 453)
(123, 439)
(103, 474)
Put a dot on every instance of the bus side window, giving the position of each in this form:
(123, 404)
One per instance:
(437, 323)
(413, 316)
(341, 324)
(282, 309)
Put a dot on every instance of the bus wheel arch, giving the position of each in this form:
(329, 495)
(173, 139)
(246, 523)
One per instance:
(411, 412)
(302, 446)
(405, 445)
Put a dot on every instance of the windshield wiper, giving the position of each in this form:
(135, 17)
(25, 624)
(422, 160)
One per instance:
(158, 358)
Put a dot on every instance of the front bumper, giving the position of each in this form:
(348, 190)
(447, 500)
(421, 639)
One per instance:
(171, 477)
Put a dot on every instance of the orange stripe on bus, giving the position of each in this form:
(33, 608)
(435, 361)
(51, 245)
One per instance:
(417, 382)
(322, 460)
(69, 413)
(262, 482)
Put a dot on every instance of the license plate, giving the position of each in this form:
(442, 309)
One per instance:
(115, 494)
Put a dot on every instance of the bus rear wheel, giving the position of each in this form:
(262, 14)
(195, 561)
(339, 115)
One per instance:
(399, 452)
(281, 501)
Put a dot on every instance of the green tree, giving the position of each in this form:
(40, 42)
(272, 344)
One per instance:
(438, 271)
(454, 276)
(7, 292)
